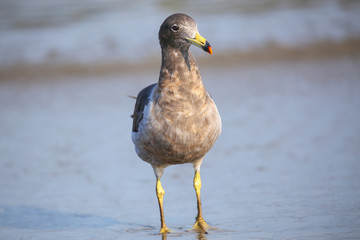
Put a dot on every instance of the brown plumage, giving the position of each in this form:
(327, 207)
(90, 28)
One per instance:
(175, 121)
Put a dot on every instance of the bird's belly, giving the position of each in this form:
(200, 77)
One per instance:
(175, 138)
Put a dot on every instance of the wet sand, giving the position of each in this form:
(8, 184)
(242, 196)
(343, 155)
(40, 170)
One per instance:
(285, 167)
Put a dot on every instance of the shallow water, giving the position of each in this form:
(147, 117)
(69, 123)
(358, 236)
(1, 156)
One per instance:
(285, 167)
(64, 31)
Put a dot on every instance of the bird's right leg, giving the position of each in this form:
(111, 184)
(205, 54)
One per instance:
(160, 196)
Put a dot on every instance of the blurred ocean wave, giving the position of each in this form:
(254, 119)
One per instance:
(58, 32)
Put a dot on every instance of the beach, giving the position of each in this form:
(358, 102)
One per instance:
(286, 165)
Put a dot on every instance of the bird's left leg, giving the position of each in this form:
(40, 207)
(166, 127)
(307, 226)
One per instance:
(200, 223)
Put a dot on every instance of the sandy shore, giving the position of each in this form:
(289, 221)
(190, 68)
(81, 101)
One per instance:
(285, 167)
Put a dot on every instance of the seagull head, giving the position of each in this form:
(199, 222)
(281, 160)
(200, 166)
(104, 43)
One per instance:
(180, 31)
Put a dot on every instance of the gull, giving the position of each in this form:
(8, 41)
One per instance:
(175, 120)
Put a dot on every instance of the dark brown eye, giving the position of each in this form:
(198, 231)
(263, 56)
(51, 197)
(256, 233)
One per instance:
(175, 28)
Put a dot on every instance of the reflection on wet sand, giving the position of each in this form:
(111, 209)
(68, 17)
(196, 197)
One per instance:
(27, 217)
(199, 236)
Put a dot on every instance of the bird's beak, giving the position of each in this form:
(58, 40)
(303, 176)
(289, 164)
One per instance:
(200, 42)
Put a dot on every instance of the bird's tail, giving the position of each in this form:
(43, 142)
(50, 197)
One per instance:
(133, 97)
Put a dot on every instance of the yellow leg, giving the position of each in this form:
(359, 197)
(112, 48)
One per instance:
(200, 223)
(160, 195)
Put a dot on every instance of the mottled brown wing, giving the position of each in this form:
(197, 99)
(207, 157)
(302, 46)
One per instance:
(141, 101)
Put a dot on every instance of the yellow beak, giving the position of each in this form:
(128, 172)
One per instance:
(200, 42)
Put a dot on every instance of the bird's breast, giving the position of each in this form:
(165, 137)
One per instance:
(180, 128)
